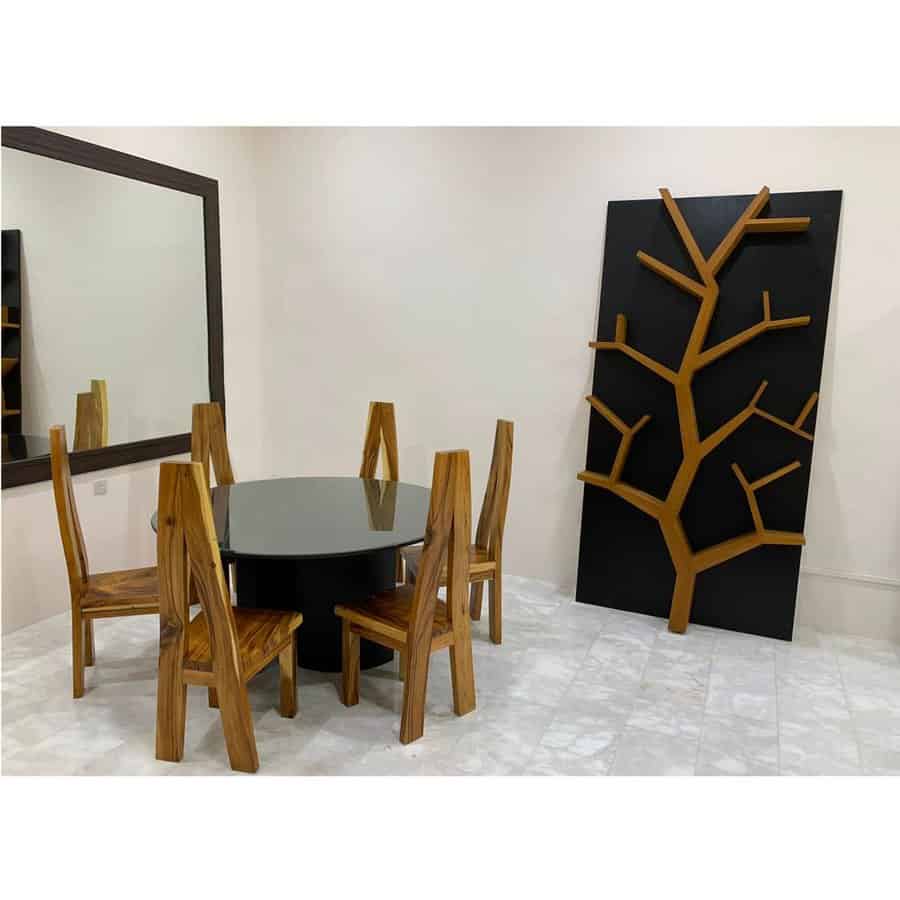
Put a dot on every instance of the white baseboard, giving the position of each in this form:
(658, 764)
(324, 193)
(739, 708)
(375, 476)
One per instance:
(847, 603)
(885, 580)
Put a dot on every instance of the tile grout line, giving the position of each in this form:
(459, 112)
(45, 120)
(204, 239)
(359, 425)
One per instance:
(553, 717)
(556, 710)
(778, 713)
(849, 703)
(621, 733)
(712, 659)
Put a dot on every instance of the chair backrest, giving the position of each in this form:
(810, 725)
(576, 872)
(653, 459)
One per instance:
(491, 522)
(380, 440)
(92, 417)
(208, 439)
(188, 556)
(67, 512)
(447, 535)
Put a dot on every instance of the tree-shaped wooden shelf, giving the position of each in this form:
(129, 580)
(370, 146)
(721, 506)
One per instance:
(687, 562)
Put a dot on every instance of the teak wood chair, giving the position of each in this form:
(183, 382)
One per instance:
(208, 440)
(129, 592)
(410, 618)
(92, 418)
(222, 647)
(486, 554)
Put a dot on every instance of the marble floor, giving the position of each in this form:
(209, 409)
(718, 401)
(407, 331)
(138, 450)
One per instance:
(573, 690)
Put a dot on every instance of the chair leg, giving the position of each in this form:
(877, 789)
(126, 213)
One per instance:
(237, 723)
(77, 654)
(400, 576)
(171, 711)
(462, 671)
(495, 594)
(89, 642)
(415, 686)
(287, 666)
(401, 667)
(212, 698)
(349, 665)
(476, 592)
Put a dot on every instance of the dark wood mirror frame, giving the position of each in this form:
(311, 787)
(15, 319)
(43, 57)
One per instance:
(93, 156)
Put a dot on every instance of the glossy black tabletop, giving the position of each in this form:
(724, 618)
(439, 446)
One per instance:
(291, 518)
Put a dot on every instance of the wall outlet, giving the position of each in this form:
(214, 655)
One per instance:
(100, 487)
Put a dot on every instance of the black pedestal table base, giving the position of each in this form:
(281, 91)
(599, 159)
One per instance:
(314, 586)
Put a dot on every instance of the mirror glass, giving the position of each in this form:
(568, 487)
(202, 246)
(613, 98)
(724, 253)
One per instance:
(104, 306)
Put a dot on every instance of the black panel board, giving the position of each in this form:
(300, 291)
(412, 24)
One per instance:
(623, 562)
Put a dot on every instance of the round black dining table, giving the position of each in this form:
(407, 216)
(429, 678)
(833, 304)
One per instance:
(311, 543)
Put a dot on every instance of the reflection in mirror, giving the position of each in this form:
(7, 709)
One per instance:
(92, 418)
(104, 306)
(24, 446)
(381, 501)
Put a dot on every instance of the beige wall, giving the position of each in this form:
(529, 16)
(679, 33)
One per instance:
(456, 272)
(116, 525)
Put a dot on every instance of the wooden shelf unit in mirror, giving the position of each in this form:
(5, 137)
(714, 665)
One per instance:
(84, 155)
(12, 331)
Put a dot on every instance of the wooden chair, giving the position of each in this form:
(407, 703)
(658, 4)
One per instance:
(208, 440)
(411, 619)
(485, 555)
(222, 647)
(130, 592)
(92, 418)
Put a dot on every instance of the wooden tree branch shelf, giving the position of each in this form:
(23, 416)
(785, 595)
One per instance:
(667, 510)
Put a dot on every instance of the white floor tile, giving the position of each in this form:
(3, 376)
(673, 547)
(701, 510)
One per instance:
(732, 745)
(640, 752)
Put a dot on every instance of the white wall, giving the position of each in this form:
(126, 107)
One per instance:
(116, 525)
(456, 272)
(113, 287)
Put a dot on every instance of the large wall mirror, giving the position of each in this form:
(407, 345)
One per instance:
(112, 308)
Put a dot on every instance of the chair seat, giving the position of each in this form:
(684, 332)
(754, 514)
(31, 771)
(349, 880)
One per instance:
(129, 588)
(261, 633)
(391, 610)
(480, 567)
